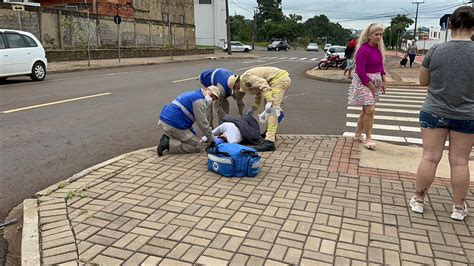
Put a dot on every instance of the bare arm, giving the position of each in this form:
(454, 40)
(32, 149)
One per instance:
(424, 76)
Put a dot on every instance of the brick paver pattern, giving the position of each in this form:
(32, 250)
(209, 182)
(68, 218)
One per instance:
(311, 204)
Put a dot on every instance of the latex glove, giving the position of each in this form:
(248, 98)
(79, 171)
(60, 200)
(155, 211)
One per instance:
(204, 139)
(217, 140)
(268, 105)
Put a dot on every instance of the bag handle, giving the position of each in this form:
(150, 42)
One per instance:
(250, 153)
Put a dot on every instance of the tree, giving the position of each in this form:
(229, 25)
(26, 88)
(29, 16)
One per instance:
(240, 28)
(269, 10)
(398, 24)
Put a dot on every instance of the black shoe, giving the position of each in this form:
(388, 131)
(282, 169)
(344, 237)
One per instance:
(265, 145)
(164, 145)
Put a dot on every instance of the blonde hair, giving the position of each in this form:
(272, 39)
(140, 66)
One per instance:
(364, 38)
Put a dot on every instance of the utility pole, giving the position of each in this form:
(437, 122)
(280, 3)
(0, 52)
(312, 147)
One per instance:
(227, 20)
(254, 31)
(417, 2)
(170, 30)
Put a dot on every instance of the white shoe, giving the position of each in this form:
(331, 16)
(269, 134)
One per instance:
(417, 205)
(459, 212)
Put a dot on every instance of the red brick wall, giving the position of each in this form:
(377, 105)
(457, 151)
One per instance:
(105, 7)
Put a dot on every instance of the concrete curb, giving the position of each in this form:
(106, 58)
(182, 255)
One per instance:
(325, 79)
(30, 246)
(142, 64)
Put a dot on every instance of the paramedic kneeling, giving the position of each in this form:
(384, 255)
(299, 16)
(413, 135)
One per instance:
(178, 117)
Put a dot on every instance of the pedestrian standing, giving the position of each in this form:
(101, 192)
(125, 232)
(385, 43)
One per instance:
(448, 112)
(270, 83)
(178, 117)
(225, 80)
(411, 52)
(349, 55)
(368, 81)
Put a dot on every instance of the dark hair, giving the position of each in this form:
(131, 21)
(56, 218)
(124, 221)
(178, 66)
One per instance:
(462, 18)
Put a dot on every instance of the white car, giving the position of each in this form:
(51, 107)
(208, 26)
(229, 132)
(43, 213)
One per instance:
(326, 47)
(237, 47)
(336, 49)
(312, 47)
(21, 53)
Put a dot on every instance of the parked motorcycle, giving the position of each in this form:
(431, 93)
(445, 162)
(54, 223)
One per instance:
(332, 60)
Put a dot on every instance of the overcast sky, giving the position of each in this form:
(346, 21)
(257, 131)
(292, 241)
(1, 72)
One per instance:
(356, 14)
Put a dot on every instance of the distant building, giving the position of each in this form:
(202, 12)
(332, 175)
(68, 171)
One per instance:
(210, 21)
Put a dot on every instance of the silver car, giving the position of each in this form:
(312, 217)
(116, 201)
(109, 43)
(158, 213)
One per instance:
(312, 47)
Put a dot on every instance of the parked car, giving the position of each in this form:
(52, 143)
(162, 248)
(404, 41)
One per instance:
(278, 46)
(336, 50)
(326, 47)
(312, 47)
(21, 53)
(237, 47)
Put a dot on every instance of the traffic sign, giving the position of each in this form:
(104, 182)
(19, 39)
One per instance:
(443, 21)
(18, 7)
(117, 19)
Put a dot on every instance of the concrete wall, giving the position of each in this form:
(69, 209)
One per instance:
(59, 29)
(210, 23)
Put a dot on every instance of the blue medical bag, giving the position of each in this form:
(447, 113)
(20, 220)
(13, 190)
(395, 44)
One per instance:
(233, 160)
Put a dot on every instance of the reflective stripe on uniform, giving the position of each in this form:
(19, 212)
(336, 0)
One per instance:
(185, 111)
(282, 74)
(213, 74)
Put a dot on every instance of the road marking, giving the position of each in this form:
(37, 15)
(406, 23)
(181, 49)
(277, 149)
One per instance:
(283, 57)
(304, 58)
(314, 59)
(270, 63)
(406, 90)
(406, 93)
(181, 80)
(293, 58)
(254, 61)
(295, 95)
(386, 110)
(401, 97)
(388, 127)
(400, 105)
(386, 117)
(272, 57)
(404, 101)
(57, 102)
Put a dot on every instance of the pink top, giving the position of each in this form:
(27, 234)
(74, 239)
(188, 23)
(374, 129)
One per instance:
(368, 60)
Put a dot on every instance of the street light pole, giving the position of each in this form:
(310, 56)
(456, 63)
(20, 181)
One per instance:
(227, 20)
(417, 2)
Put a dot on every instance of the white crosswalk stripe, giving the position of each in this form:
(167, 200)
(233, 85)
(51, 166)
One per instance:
(314, 59)
(396, 116)
(293, 58)
(304, 58)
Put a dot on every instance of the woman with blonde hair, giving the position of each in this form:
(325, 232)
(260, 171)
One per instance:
(368, 81)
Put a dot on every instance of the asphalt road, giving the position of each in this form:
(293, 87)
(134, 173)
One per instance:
(47, 144)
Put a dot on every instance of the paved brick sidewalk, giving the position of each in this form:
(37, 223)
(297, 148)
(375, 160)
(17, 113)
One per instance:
(311, 204)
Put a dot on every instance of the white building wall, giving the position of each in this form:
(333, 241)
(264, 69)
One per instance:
(210, 23)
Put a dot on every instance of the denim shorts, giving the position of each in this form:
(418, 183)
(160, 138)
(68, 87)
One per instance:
(428, 120)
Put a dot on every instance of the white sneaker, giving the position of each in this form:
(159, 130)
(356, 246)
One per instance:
(417, 205)
(459, 212)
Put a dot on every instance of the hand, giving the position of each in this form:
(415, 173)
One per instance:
(268, 105)
(203, 139)
(371, 87)
(384, 86)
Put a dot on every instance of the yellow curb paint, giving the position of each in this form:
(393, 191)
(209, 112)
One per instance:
(53, 103)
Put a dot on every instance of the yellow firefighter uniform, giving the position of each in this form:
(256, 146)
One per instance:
(270, 83)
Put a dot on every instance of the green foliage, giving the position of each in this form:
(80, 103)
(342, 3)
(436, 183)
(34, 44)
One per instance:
(241, 28)
(399, 23)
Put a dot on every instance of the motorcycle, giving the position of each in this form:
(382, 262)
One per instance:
(332, 60)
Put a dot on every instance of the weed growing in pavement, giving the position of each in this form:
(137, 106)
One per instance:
(72, 194)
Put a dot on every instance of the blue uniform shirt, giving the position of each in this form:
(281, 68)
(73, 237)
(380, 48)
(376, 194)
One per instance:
(179, 113)
(215, 77)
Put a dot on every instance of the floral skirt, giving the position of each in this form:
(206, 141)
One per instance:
(360, 95)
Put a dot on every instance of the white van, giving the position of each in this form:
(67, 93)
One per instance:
(21, 53)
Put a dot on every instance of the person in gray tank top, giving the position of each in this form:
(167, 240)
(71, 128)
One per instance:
(448, 112)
